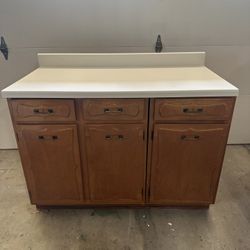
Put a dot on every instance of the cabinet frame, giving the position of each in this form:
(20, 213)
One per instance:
(148, 122)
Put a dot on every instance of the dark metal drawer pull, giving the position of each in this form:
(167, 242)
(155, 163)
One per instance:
(42, 137)
(190, 138)
(192, 110)
(50, 111)
(43, 111)
(111, 137)
(117, 110)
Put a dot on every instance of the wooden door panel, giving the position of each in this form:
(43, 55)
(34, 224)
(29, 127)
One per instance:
(51, 161)
(116, 163)
(186, 162)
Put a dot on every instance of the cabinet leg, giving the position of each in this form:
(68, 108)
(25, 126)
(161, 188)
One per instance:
(42, 208)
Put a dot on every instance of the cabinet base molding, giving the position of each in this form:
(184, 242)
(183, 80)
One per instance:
(107, 206)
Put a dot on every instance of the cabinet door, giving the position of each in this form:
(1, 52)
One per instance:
(51, 162)
(186, 163)
(116, 163)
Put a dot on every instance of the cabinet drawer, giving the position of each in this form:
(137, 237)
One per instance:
(191, 109)
(43, 110)
(113, 109)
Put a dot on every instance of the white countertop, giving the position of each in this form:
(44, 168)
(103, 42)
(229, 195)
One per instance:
(120, 83)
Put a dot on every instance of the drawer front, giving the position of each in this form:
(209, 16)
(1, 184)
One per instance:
(213, 109)
(43, 110)
(113, 109)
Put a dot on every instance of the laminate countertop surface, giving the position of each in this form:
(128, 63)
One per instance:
(120, 83)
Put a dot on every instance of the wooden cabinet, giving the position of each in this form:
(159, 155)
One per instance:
(186, 163)
(51, 161)
(116, 163)
(163, 151)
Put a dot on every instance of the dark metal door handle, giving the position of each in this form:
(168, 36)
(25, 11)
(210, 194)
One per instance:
(190, 137)
(47, 137)
(111, 137)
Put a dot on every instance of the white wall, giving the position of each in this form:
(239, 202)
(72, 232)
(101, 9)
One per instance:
(221, 28)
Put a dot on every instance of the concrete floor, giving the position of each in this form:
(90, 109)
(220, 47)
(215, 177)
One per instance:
(225, 225)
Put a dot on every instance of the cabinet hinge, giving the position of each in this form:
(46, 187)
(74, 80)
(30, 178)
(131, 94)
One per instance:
(17, 137)
(30, 194)
(143, 135)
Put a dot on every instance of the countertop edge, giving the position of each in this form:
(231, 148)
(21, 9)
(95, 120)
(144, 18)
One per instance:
(132, 94)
